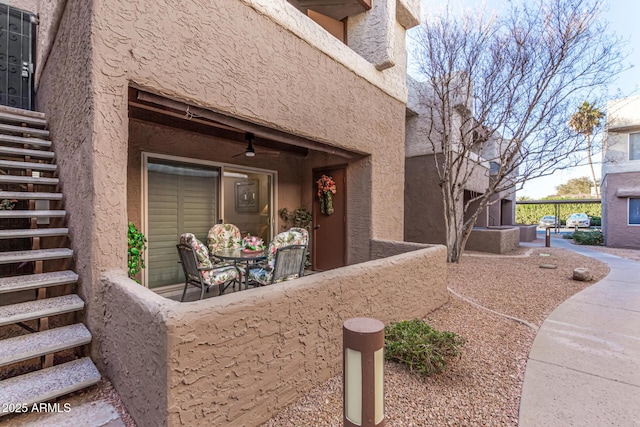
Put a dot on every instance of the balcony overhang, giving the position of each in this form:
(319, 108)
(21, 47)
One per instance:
(336, 9)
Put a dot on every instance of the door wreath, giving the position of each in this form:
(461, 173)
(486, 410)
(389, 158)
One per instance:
(326, 190)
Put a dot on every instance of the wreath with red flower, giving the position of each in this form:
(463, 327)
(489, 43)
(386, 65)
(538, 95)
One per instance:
(326, 190)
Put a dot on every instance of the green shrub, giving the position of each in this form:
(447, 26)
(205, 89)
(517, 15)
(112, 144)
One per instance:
(531, 214)
(136, 242)
(592, 237)
(596, 221)
(567, 236)
(419, 346)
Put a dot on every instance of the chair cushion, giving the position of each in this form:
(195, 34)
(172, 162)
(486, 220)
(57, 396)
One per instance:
(220, 275)
(261, 275)
(223, 236)
(202, 253)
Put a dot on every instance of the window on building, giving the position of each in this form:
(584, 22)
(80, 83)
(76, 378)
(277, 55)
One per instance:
(634, 146)
(634, 211)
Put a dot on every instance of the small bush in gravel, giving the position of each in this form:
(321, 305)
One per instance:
(419, 346)
(593, 237)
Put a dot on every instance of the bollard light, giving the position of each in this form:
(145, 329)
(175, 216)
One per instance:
(363, 374)
(547, 237)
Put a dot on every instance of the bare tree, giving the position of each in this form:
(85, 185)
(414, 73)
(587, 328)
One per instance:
(498, 92)
(584, 121)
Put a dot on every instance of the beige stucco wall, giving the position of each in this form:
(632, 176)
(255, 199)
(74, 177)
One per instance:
(497, 240)
(615, 211)
(26, 5)
(240, 358)
(230, 57)
(424, 214)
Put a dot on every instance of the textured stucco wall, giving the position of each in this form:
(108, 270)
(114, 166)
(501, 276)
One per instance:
(424, 215)
(26, 5)
(241, 358)
(135, 352)
(528, 233)
(497, 240)
(49, 16)
(385, 248)
(623, 117)
(65, 96)
(615, 211)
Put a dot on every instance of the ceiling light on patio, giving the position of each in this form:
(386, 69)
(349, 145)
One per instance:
(249, 152)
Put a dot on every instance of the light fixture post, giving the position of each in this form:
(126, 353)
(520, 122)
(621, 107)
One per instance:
(363, 373)
(547, 237)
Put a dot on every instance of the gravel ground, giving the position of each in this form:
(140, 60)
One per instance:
(482, 387)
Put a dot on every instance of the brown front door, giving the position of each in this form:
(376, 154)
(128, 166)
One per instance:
(329, 231)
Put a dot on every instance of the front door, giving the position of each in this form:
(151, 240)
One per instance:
(16, 57)
(329, 229)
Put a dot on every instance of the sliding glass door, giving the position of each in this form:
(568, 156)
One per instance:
(182, 198)
(247, 202)
(190, 197)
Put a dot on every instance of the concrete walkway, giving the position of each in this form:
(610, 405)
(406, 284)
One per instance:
(584, 365)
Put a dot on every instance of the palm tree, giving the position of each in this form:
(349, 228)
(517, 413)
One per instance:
(584, 121)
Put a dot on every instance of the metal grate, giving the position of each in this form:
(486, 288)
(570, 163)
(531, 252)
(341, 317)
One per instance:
(16, 57)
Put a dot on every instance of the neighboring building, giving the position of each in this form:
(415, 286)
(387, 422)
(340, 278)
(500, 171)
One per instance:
(621, 174)
(424, 213)
(153, 108)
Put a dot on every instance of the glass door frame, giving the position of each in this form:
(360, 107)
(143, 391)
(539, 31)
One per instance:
(146, 155)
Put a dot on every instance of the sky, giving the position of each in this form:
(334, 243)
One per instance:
(622, 17)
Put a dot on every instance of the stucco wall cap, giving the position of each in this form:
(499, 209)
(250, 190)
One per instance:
(628, 192)
(146, 298)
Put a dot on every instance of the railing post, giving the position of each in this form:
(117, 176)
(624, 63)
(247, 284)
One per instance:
(547, 237)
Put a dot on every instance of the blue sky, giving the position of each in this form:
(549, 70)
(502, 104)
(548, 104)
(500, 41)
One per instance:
(622, 17)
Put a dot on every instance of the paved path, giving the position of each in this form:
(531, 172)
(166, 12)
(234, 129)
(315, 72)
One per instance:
(584, 365)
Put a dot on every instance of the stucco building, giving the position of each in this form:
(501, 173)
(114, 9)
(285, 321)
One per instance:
(153, 109)
(424, 214)
(621, 174)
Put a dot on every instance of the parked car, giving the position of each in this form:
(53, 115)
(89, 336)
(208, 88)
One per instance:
(547, 221)
(578, 219)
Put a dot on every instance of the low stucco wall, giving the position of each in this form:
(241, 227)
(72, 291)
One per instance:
(241, 358)
(497, 240)
(386, 248)
(527, 232)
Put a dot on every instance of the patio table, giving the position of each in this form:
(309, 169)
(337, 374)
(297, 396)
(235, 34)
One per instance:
(240, 257)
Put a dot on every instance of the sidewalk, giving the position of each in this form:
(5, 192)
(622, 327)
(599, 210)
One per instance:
(584, 365)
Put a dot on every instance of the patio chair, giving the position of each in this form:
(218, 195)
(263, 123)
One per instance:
(223, 236)
(199, 270)
(303, 231)
(285, 259)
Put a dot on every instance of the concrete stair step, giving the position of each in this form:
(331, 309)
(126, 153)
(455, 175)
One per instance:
(47, 384)
(34, 255)
(22, 112)
(12, 179)
(33, 232)
(25, 347)
(20, 213)
(24, 130)
(9, 164)
(30, 310)
(8, 117)
(38, 154)
(36, 142)
(26, 195)
(34, 281)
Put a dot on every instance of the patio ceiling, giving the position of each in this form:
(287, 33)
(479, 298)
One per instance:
(166, 112)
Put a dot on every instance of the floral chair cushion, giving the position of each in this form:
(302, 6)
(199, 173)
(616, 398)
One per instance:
(215, 276)
(290, 237)
(223, 236)
(303, 231)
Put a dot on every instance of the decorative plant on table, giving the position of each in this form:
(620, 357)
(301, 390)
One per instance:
(136, 241)
(252, 243)
(326, 190)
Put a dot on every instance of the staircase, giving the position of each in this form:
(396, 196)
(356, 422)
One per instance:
(40, 343)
